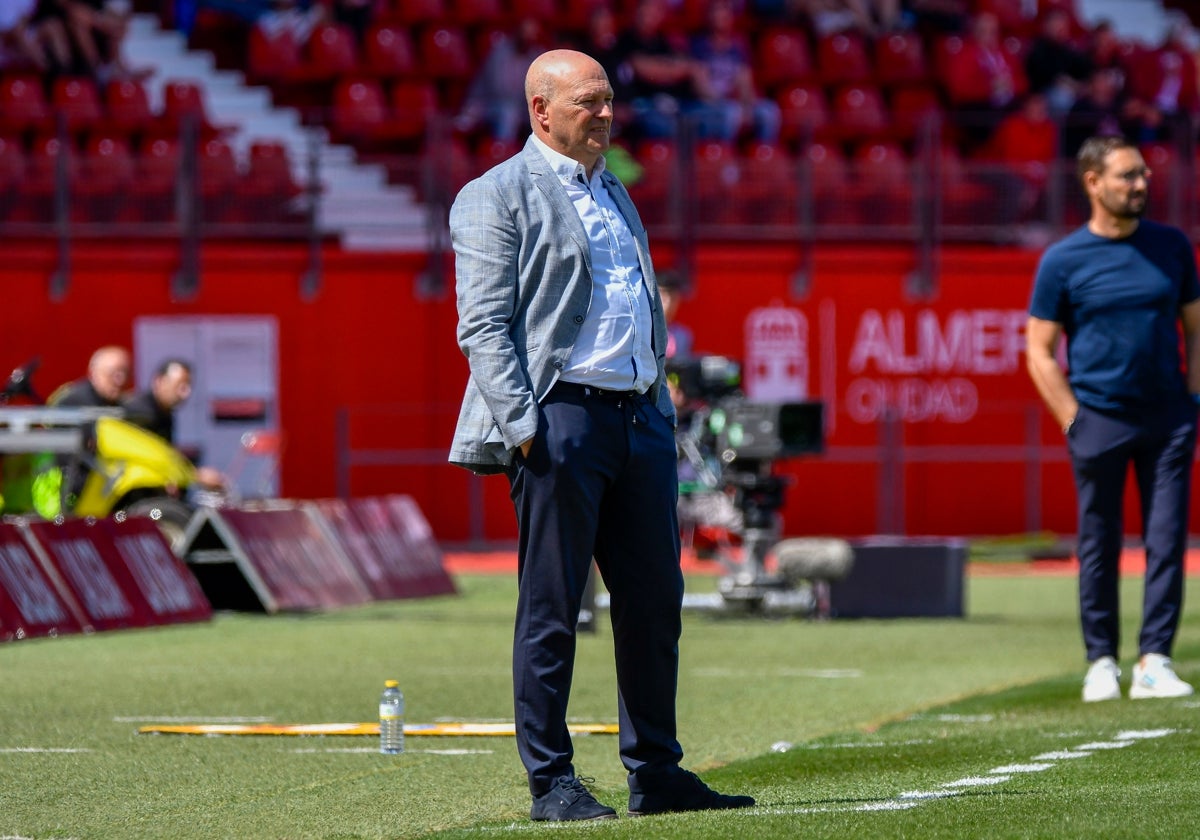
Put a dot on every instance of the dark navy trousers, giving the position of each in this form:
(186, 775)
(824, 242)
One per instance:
(599, 481)
(1160, 446)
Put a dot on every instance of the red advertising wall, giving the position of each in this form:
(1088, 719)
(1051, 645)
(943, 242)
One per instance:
(933, 427)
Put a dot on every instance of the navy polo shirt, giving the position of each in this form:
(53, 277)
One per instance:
(1118, 301)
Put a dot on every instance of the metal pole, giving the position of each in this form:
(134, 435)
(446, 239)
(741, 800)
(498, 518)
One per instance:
(186, 281)
(806, 203)
(60, 278)
(310, 281)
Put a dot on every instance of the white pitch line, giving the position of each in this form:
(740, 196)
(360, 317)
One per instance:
(891, 805)
(863, 745)
(929, 794)
(977, 781)
(1022, 768)
(1144, 734)
(375, 750)
(1061, 755)
(1104, 745)
(41, 750)
(815, 673)
(189, 719)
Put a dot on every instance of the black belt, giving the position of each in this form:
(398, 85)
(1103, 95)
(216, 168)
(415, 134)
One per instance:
(592, 391)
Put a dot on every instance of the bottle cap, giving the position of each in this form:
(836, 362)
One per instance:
(391, 684)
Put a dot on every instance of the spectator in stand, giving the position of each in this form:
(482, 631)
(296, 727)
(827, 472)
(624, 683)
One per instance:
(868, 17)
(662, 76)
(97, 30)
(1055, 68)
(1166, 82)
(602, 41)
(1105, 49)
(496, 98)
(931, 17)
(726, 80)
(28, 37)
(300, 17)
(1026, 141)
(1097, 112)
(357, 14)
(985, 82)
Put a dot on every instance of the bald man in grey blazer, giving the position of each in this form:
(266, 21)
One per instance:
(562, 325)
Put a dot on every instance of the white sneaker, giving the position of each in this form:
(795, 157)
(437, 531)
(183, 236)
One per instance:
(1101, 681)
(1153, 676)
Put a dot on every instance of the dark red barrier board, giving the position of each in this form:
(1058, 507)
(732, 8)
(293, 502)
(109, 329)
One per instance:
(377, 573)
(122, 574)
(30, 604)
(297, 566)
(404, 539)
(169, 589)
(84, 557)
(394, 551)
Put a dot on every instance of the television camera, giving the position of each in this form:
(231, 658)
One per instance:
(728, 447)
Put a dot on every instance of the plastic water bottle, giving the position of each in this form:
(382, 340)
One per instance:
(391, 719)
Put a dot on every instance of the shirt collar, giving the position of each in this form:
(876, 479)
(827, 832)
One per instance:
(565, 168)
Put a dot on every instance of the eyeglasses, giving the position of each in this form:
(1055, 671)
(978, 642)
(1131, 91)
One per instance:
(1132, 176)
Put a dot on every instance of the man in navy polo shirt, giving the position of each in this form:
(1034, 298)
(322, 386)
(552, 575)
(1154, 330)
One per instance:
(1120, 288)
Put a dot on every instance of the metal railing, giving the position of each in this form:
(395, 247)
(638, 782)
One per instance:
(814, 191)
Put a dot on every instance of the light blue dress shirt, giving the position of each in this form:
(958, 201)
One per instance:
(614, 349)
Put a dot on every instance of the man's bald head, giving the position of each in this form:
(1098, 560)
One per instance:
(570, 104)
(108, 371)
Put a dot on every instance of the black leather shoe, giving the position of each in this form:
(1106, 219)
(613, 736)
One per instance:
(569, 800)
(678, 790)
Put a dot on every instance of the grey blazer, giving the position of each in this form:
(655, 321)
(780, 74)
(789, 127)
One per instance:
(524, 283)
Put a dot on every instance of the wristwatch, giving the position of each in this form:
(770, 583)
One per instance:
(1069, 425)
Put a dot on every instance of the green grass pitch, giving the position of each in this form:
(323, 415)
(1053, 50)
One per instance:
(913, 728)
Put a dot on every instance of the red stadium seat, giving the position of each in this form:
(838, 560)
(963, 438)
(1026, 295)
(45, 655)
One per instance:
(472, 13)
(183, 106)
(491, 151)
(156, 174)
(547, 11)
(12, 163)
(128, 107)
(272, 55)
(332, 52)
(37, 191)
(217, 175)
(446, 54)
(900, 59)
(413, 12)
(842, 58)
(655, 189)
(359, 109)
(717, 175)
(825, 177)
(414, 104)
(77, 100)
(782, 58)
(912, 108)
(268, 186)
(804, 112)
(768, 186)
(12, 173)
(362, 115)
(107, 171)
(859, 112)
(23, 105)
(389, 52)
(574, 15)
(884, 183)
